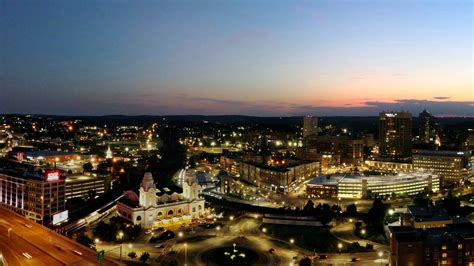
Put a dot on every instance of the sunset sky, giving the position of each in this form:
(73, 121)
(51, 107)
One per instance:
(258, 57)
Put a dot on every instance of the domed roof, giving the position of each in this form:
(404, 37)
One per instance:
(147, 181)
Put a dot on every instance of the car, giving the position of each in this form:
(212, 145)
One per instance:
(77, 252)
(322, 257)
(160, 246)
(27, 225)
(27, 255)
(355, 259)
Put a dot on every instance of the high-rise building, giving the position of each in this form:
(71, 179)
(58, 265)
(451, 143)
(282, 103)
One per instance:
(452, 244)
(451, 166)
(37, 197)
(310, 126)
(427, 130)
(395, 134)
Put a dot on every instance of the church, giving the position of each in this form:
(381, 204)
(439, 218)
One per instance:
(153, 207)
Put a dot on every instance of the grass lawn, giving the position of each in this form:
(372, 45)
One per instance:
(310, 238)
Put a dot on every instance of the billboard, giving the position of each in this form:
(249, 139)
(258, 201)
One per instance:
(60, 217)
(52, 176)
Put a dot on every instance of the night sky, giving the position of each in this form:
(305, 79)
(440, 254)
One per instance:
(259, 57)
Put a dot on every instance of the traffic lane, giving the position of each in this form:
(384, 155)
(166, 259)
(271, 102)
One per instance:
(48, 241)
(59, 251)
(9, 255)
(17, 245)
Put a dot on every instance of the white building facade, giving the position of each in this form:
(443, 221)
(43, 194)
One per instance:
(154, 207)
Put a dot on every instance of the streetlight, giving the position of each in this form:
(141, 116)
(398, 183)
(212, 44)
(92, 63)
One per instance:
(120, 235)
(292, 241)
(180, 234)
(380, 253)
(9, 230)
(391, 212)
(362, 231)
(185, 254)
(339, 246)
(264, 230)
(97, 241)
(231, 217)
(42, 209)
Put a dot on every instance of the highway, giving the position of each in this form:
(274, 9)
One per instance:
(43, 246)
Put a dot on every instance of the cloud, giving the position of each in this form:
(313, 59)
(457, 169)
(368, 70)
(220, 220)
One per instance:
(441, 98)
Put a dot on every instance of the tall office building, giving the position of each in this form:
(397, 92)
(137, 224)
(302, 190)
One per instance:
(395, 134)
(427, 127)
(37, 197)
(310, 126)
(452, 166)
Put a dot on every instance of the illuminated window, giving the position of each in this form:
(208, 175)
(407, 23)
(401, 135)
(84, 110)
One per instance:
(445, 255)
(443, 247)
(460, 246)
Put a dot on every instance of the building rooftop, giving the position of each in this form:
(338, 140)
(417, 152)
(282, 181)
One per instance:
(442, 153)
(327, 180)
(426, 214)
(47, 153)
(450, 233)
(80, 178)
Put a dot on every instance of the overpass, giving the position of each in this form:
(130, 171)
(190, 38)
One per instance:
(24, 242)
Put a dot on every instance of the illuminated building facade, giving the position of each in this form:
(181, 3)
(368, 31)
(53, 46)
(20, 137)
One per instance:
(278, 177)
(450, 245)
(153, 207)
(386, 165)
(362, 186)
(310, 126)
(451, 166)
(395, 134)
(427, 130)
(425, 217)
(349, 150)
(87, 184)
(35, 196)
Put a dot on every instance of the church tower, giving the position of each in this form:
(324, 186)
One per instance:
(147, 191)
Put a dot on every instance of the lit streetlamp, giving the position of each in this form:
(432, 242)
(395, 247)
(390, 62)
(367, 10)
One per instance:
(9, 231)
(380, 254)
(185, 254)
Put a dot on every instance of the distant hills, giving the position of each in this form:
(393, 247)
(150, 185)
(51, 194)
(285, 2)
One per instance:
(369, 122)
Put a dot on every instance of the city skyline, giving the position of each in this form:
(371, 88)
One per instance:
(267, 58)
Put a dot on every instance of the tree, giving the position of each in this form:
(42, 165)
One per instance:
(421, 201)
(351, 209)
(84, 240)
(309, 207)
(376, 215)
(144, 257)
(87, 167)
(305, 261)
(336, 208)
(132, 255)
(452, 205)
(106, 232)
